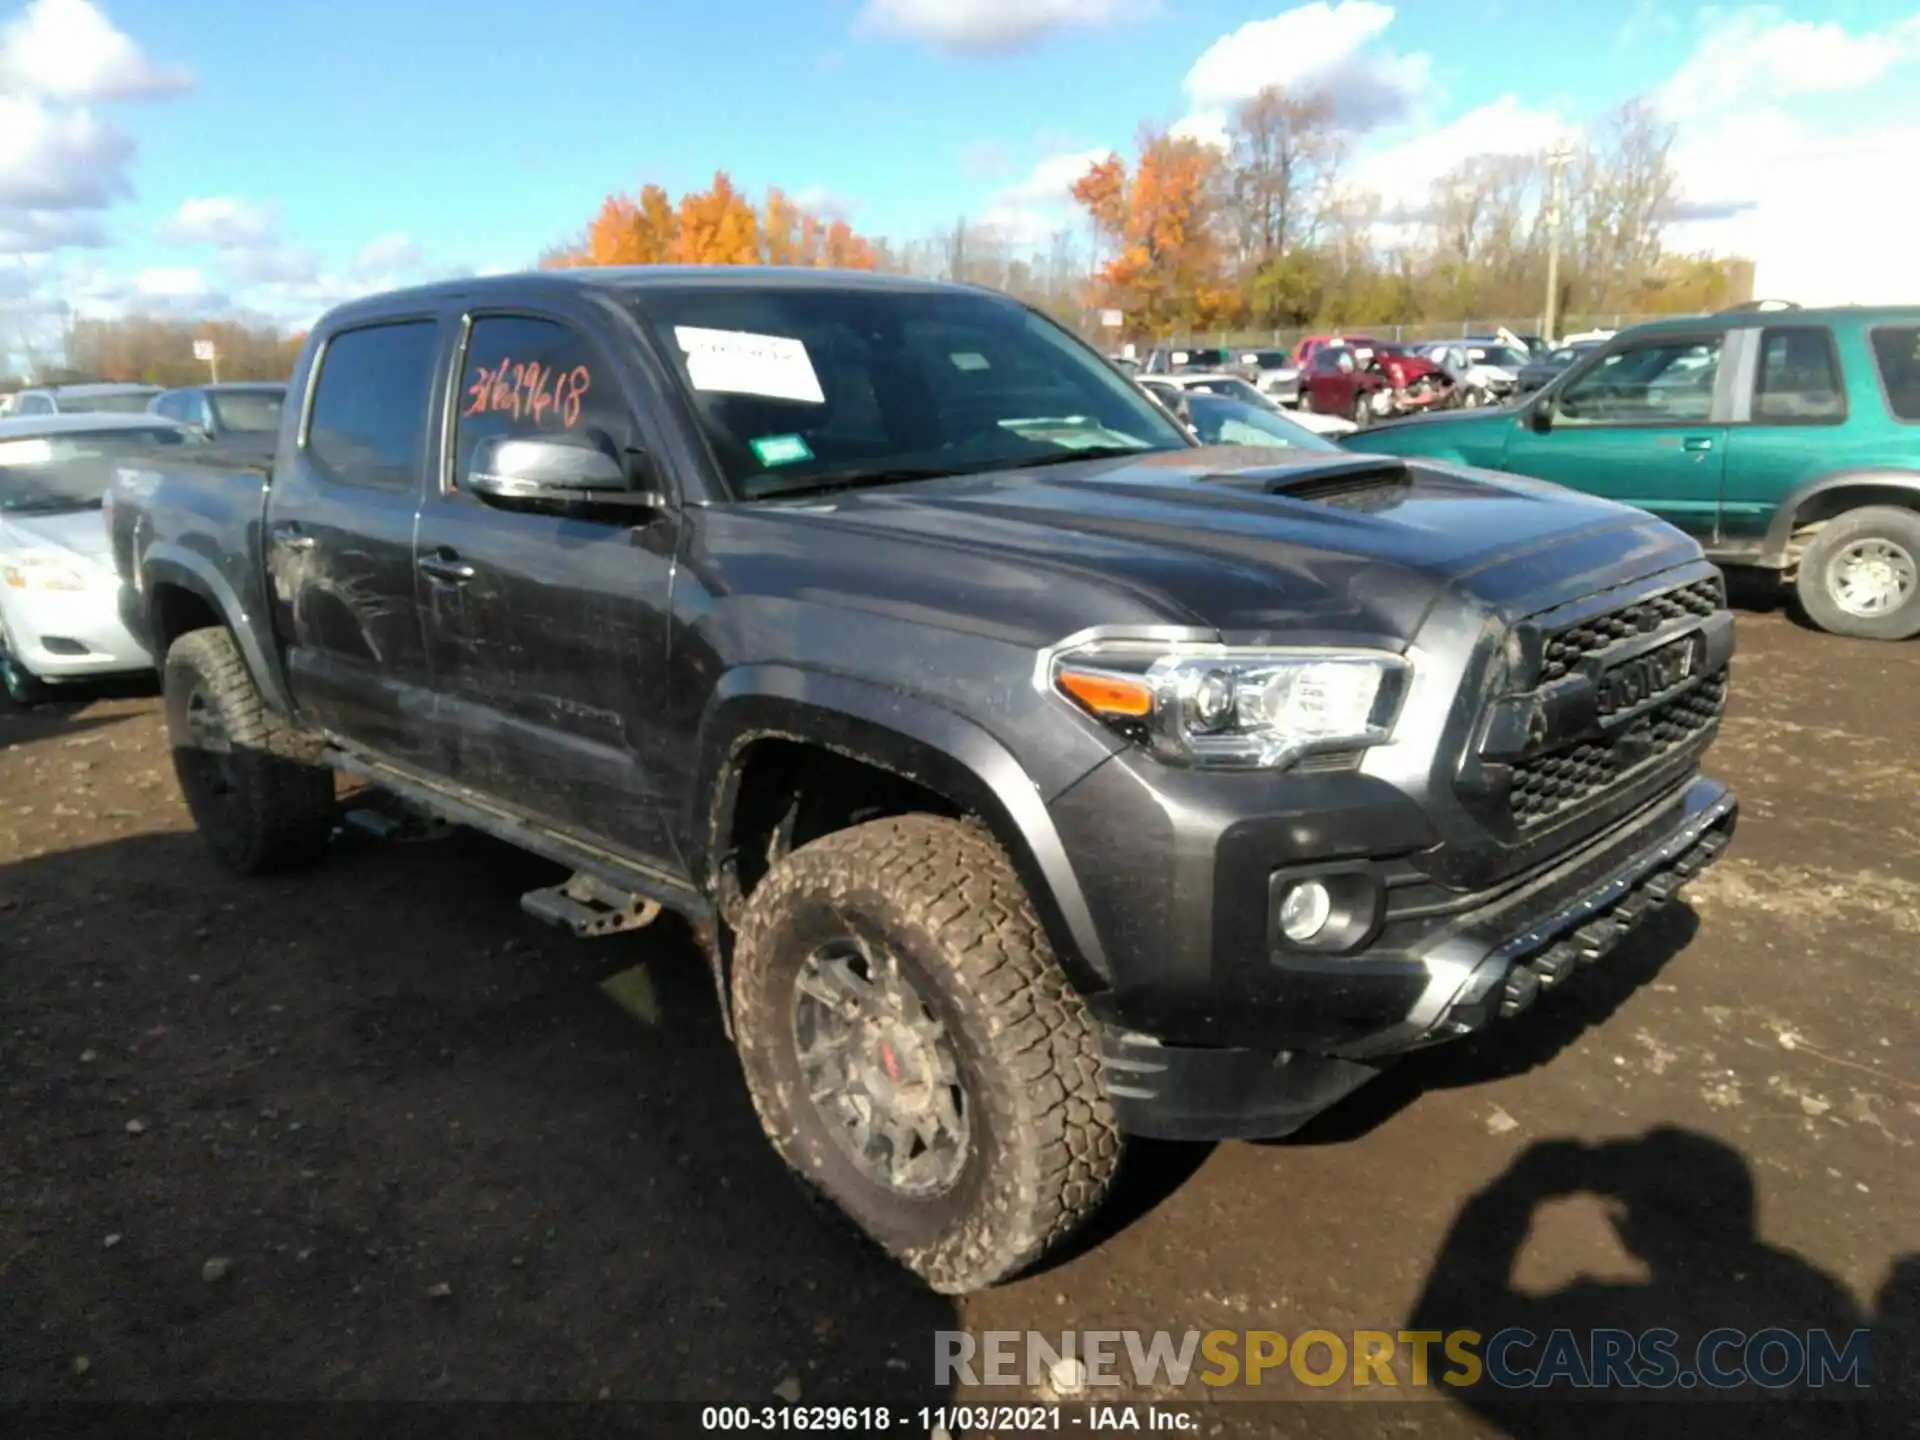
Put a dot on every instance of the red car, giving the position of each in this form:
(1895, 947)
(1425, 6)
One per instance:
(1304, 350)
(1366, 381)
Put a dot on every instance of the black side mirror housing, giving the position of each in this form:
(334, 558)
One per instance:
(541, 472)
(1541, 416)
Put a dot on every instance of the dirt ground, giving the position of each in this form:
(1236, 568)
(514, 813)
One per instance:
(371, 1133)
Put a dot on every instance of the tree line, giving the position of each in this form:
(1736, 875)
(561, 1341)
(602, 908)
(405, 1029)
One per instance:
(1268, 231)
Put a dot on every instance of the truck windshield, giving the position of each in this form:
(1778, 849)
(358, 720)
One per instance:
(851, 385)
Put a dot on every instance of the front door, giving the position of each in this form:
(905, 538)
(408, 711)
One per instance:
(1646, 425)
(548, 632)
(339, 541)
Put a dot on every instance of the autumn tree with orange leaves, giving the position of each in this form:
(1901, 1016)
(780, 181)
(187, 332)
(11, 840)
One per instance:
(1168, 271)
(716, 226)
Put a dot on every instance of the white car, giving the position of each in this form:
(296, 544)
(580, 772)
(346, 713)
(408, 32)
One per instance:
(1169, 388)
(1493, 369)
(59, 591)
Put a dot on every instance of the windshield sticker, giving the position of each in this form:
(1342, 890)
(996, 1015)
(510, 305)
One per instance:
(528, 391)
(737, 362)
(773, 450)
(968, 360)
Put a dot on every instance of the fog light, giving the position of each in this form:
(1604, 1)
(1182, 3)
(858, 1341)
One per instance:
(1304, 911)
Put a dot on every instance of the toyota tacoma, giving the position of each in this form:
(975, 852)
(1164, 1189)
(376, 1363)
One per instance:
(1032, 775)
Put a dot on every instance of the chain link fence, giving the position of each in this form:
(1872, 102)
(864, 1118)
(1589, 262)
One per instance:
(1413, 331)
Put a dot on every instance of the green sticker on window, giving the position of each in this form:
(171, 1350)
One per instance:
(781, 450)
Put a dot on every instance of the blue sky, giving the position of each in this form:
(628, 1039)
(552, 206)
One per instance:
(226, 153)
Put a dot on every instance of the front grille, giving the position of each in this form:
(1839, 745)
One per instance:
(1547, 784)
(1572, 645)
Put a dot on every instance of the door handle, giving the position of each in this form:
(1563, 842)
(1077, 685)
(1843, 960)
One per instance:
(1697, 444)
(445, 565)
(289, 536)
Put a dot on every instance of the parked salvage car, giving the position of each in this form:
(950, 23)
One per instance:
(1176, 389)
(1786, 442)
(1032, 775)
(238, 410)
(59, 592)
(1271, 372)
(1539, 371)
(105, 398)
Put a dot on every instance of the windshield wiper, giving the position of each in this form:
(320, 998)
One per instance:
(861, 479)
(1086, 452)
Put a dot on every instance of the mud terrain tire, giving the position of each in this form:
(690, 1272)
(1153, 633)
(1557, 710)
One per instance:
(1041, 1144)
(262, 804)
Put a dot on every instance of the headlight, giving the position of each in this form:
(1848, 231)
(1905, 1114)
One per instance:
(41, 572)
(1225, 706)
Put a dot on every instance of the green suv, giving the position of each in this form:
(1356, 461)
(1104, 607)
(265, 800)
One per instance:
(1784, 440)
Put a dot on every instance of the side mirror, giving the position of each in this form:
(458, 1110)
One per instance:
(1541, 416)
(540, 472)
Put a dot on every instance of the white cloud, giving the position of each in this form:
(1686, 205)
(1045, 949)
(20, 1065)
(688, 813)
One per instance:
(220, 220)
(827, 204)
(1329, 48)
(387, 255)
(33, 233)
(55, 159)
(1023, 227)
(1403, 174)
(1052, 180)
(1811, 207)
(67, 50)
(985, 27)
(1756, 55)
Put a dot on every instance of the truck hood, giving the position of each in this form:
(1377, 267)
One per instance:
(1252, 542)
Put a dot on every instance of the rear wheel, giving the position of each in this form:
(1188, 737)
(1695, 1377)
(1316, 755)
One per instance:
(915, 1052)
(255, 792)
(21, 686)
(1362, 409)
(1861, 574)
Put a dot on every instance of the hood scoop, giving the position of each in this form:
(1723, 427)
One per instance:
(1365, 482)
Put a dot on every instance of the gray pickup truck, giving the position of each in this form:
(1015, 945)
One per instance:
(1032, 775)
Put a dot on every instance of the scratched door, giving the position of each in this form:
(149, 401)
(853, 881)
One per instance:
(548, 634)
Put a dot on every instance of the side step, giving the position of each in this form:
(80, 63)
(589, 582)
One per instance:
(589, 907)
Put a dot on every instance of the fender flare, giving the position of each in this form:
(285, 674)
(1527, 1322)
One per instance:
(1884, 477)
(164, 564)
(915, 739)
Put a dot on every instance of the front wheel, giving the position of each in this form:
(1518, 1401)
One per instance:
(1861, 575)
(1362, 410)
(255, 793)
(915, 1052)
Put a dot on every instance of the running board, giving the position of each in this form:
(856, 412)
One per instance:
(590, 909)
(615, 875)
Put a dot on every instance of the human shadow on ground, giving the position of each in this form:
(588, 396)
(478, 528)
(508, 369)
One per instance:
(1683, 1204)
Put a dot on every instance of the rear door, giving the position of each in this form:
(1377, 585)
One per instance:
(548, 632)
(1646, 424)
(1789, 420)
(339, 542)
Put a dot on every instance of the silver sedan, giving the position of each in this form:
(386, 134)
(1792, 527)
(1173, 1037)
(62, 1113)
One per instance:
(59, 591)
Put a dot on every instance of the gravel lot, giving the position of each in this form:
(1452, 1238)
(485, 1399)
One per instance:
(370, 1133)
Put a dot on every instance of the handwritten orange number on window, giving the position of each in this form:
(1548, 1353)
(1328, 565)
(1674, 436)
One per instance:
(528, 391)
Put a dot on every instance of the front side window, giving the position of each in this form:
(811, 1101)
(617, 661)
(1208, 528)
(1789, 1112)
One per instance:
(1896, 351)
(798, 388)
(369, 415)
(1798, 379)
(527, 376)
(1661, 383)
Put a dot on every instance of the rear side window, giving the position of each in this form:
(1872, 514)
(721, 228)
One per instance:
(1896, 351)
(527, 376)
(370, 407)
(1798, 380)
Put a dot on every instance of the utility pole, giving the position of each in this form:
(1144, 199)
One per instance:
(1556, 204)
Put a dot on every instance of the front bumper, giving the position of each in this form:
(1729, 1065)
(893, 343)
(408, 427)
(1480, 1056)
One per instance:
(72, 634)
(1478, 966)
